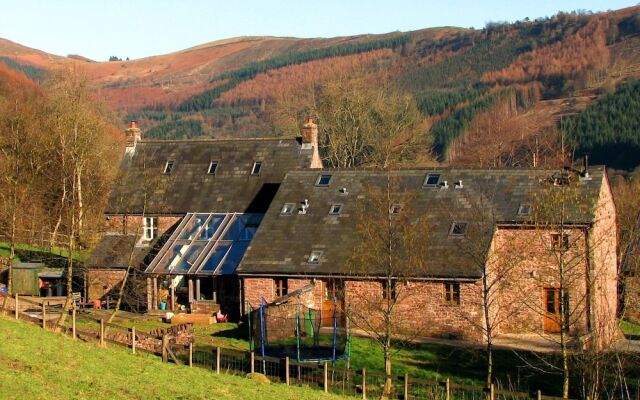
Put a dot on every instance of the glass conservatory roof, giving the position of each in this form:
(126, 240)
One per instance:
(206, 244)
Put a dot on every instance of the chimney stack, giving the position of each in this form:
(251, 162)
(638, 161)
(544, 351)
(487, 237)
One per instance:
(310, 140)
(132, 135)
(310, 132)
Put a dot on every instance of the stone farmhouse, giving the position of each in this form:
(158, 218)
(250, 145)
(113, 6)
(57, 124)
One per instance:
(228, 223)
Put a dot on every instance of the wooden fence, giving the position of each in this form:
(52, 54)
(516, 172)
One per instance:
(362, 384)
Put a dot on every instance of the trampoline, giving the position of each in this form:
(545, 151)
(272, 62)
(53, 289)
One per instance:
(289, 328)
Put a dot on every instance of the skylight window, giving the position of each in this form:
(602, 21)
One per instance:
(395, 209)
(287, 209)
(257, 166)
(524, 210)
(458, 229)
(431, 180)
(314, 258)
(213, 167)
(335, 209)
(323, 180)
(168, 167)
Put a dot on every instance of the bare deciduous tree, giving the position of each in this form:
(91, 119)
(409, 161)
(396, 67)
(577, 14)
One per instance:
(391, 249)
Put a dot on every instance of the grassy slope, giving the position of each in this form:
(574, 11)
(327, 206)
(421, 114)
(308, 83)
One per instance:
(427, 361)
(26, 250)
(36, 364)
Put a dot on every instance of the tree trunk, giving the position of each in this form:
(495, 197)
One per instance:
(388, 384)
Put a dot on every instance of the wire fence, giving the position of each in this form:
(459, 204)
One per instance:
(343, 381)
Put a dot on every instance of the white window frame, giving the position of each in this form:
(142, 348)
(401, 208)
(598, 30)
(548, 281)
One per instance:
(320, 178)
(524, 207)
(168, 167)
(426, 179)
(149, 228)
(257, 164)
(457, 223)
(333, 207)
(211, 165)
(287, 209)
(314, 257)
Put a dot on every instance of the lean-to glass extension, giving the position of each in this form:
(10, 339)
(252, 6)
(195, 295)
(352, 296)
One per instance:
(206, 244)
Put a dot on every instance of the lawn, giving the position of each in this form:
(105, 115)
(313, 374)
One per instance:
(630, 328)
(25, 252)
(37, 364)
(429, 361)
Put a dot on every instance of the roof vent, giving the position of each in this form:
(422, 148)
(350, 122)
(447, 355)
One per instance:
(344, 190)
(585, 172)
(459, 184)
(305, 206)
(445, 185)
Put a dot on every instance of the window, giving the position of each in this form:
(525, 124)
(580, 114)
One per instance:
(452, 293)
(257, 166)
(213, 167)
(333, 289)
(287, 209)
(323, 180)
(314, 258)
(169, 167)
(150, 228)
(431, 180)
(281, 286)
(395, 209)
(386, 292)
(559, 242)
(524, 209)
(335, 209)
(458, 229)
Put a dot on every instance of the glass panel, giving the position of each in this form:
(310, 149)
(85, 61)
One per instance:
(233, 259)
(244, 227)
(191, 229)
(210, 228)
(216, 257)
(172, 257)
(190, 256)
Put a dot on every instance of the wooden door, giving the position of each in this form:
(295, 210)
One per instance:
(332, 289)
(551, 310)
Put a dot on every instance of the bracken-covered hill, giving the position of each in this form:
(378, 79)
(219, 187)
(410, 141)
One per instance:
(506, 94)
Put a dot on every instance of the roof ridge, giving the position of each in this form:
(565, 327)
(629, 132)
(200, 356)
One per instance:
(213, 140)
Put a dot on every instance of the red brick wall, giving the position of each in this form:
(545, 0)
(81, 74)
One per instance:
(420, 309)
(603, 242)
(133, 223)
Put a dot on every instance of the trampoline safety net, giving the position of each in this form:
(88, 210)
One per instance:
(293, 330)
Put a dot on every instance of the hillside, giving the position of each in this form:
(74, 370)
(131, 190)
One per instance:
(493, 97)
(37, 364)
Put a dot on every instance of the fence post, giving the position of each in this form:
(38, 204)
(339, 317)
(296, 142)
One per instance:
(165, 343)
(286, 370)
(364, 383)
(253, 362)
(447, 388)
(492, 392)
(44, 315)
(190, 354)
(133, 340)
(102, 333)
(17, 307)
(217, 360)
(326, 377)
(73, 322)
(539, 394)
(406, 386)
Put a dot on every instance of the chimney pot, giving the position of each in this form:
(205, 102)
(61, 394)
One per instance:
(132, 135)
(310, 139)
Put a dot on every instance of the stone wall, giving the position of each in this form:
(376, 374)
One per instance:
(101, 283)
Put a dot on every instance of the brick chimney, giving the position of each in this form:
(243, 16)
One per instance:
(132, 136)
(310, 141)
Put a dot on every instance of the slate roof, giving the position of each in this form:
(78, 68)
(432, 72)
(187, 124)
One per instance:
(283, 244)
(112, 252)
(189, 188)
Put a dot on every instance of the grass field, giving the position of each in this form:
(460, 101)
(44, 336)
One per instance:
(37, 364)
(630, 328)
(429, 361)
(25, 252)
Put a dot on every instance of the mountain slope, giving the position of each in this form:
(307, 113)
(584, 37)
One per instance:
(492, 96)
